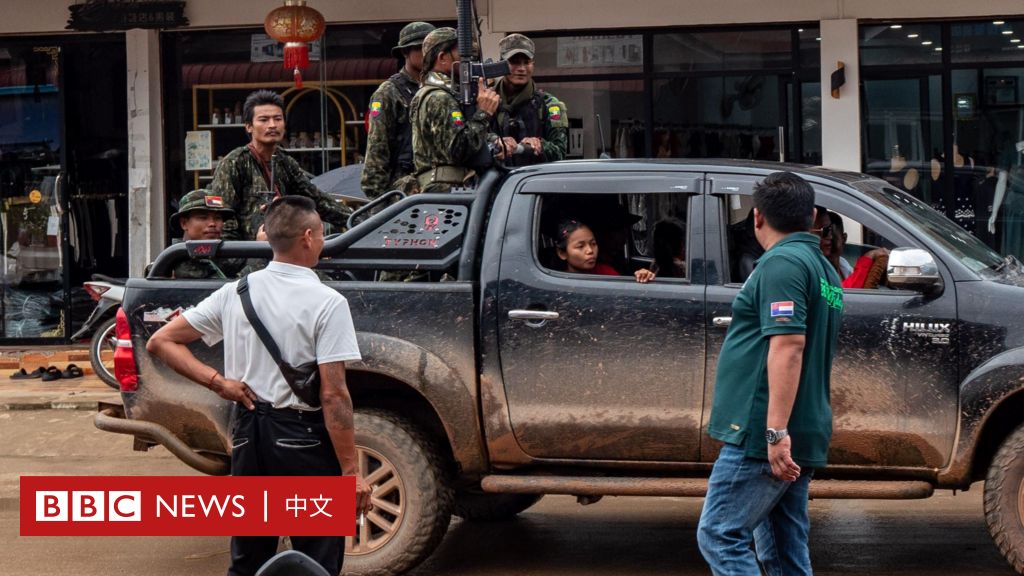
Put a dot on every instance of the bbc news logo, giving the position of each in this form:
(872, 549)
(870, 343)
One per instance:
(88, 506)
(187, 506)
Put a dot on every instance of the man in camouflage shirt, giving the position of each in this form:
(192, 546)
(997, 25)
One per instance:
(200, 216)
(243, 178)
(389, 141)
(444, 142)
(528, 115)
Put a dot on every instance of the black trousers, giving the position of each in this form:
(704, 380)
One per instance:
(282, 442)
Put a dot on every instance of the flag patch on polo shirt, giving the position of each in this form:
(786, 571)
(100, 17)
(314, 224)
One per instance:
(214, 202)
(782, 308)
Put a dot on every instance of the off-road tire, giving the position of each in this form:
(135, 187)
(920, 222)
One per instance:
(96, 346)
(477, 506)
(426, 496)
(1004, 499)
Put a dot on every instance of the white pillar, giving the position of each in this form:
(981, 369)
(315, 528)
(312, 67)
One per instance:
(146, 212)
(840, 117)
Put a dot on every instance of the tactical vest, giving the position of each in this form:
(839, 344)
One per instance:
(525, 121)
(400, 140)
(445, 174)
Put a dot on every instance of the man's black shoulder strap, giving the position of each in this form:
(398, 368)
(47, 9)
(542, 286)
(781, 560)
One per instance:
(257, 325)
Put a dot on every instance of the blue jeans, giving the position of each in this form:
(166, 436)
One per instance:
(745, 504)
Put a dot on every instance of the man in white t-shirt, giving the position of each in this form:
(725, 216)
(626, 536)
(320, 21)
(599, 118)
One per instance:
(275, 433)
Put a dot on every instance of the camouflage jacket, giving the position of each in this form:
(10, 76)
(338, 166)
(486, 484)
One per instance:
(389, 142)
(532, 112)
(239, 180)
(198, 270)
(441, 136)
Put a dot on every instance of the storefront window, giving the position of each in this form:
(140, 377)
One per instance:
(987, 41)
(988, 189)
(30, 163)
(958, 150)
(712, 93)
(725, 50)
(900, 43)
(902, 124)
(718, 117)
(604, 117)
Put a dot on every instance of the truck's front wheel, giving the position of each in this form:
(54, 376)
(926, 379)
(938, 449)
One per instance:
(412, 499)
(1004, 499)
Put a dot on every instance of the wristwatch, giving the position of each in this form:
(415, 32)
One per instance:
(774, 436)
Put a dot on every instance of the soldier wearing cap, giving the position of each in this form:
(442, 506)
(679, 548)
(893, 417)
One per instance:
(528, 115)
(389, 142)
(201, 216)
(444, 141)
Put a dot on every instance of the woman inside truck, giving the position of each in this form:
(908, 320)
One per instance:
(577, 248)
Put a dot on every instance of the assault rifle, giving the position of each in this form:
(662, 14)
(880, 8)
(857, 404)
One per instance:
(470, 68)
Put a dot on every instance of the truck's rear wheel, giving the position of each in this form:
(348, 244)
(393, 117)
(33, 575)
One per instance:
(1004, 499)
(412, 497)
(480, 506)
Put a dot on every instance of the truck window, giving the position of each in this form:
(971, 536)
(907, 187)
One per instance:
(632, 231)
(847, 242)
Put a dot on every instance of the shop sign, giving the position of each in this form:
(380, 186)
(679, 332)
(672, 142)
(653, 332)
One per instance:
(263, 48)
(600, 51)
(103, 15)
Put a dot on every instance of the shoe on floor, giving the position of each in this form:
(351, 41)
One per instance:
(22, 375)
(72, 371)
(52, 373)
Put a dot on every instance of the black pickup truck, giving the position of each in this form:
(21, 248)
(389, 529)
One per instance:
(502, 377)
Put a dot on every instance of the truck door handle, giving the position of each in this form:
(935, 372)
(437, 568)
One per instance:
(532, 315)
(722, 321)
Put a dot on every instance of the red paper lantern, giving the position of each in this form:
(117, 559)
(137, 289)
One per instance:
(296, 25)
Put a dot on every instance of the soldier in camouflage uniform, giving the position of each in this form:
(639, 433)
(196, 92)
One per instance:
(243, 177)
(528, 115)
(201, 216)
(389, 141)
(444, 142)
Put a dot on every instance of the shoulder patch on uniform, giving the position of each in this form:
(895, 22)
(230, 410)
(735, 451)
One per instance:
(214, 202)
(784, 308)
(375, 107)
(457, 118)
(555, 112)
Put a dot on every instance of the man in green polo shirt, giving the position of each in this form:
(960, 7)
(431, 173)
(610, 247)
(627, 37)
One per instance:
(771, 405)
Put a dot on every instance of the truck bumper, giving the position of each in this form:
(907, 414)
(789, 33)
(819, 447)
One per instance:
(111, 418)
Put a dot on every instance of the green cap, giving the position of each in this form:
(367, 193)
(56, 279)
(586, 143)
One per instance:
(411, 36)
(515, 44)
(438, 41)
(201, 199)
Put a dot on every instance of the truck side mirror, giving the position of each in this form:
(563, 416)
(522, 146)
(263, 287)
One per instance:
(913, 269)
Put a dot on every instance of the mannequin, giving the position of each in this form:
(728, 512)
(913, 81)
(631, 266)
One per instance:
(899, 175)
(1001, 183)
(997, 201)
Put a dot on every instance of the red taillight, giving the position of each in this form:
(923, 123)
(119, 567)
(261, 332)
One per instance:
(95, 290)
(124, 357)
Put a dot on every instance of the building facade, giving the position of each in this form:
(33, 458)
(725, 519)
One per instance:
(100, 133)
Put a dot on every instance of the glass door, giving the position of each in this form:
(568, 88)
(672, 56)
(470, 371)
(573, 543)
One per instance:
(31, 174)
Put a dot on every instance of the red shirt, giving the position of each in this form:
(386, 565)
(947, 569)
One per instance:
(603, 269)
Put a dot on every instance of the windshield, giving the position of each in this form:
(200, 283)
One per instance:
(972, 252)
